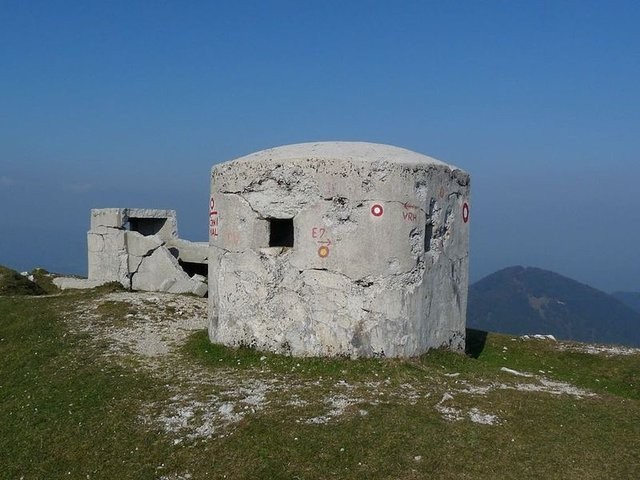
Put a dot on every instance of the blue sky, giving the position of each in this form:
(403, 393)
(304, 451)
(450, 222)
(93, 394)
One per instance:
(130, 104)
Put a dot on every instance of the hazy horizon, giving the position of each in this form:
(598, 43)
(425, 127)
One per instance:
(124, 104)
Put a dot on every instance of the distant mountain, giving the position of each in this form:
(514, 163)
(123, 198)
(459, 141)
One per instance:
(631, 299)
(525, 300)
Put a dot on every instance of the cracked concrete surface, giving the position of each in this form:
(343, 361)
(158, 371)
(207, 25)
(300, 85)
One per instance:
(378, 264)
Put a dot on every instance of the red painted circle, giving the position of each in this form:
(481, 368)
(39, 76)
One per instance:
(323, 251)
(465, 212)
(377, 210)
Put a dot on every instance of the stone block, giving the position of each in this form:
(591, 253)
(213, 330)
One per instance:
(160, 272)
(139, 245)
(162, 223)
(107, 217)
(65, 283)
(107, 257)
(192, 252)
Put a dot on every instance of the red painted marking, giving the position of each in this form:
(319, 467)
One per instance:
(318, 232)
(465, 212)
(408, 206)
(377, 210)
(213, 218)
(409, 216)
(328, 243)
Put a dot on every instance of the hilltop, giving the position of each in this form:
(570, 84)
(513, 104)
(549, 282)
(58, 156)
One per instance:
(117, 384)
(525, 300)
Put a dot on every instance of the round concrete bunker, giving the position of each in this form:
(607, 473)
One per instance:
(338, 248)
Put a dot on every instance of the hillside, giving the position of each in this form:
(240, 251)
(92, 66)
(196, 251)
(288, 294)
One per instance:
(524, 300)
(631, 299)
(109, 384)
(13, 283)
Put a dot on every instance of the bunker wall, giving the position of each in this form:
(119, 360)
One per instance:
(377, 263)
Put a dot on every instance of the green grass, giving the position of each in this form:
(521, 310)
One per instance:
(115, 312)
(13, 283)
(62, 410)
(69, 412)
(44, 280)
(618, 375)
(201, 349)
(384, 444)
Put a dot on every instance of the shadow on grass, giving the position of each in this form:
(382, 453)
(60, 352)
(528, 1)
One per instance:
(476, 340)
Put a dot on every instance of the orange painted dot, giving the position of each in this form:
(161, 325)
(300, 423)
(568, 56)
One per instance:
(323, 251)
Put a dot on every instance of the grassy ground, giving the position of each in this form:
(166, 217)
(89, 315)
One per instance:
(12, 283)
(74, 406)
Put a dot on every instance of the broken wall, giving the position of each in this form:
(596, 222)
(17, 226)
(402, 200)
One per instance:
(140, 249)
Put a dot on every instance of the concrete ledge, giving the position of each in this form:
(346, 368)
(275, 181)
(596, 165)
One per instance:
(66, 283)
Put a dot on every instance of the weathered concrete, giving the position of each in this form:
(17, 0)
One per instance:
(193, 252)
(140, 249)
(65, 283)
(379, 261)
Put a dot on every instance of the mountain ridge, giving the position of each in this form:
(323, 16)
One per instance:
(525, 300)
(631, 299)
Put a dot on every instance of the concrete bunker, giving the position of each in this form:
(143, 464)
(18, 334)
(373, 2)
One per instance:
(338, 248)
(140, 249)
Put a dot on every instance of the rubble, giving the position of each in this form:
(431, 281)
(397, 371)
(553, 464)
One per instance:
(140, 249)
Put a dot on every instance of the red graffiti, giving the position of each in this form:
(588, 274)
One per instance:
(213, 219)
(408, 206)
(409, 216)
(318, 232)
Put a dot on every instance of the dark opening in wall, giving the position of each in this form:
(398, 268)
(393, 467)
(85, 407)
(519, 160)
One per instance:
(192, 268)
(428, 228)
(281, 232)
(146, 226)
(428, 234)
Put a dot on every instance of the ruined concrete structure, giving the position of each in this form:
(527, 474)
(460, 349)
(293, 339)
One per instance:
(338, 248)
(140, 249)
